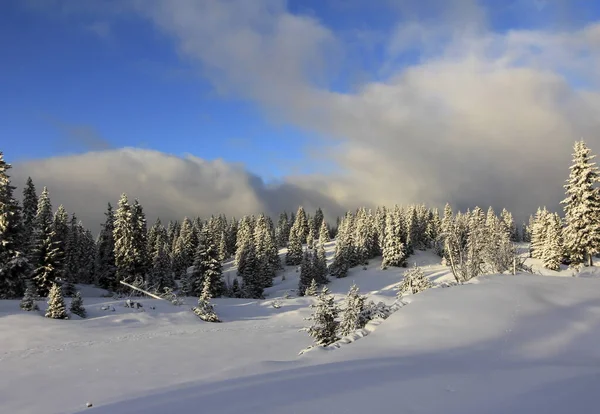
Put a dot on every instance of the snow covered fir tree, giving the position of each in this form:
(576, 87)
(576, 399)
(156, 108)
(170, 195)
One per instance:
(41, 247)
(56, 304)
(582, 207)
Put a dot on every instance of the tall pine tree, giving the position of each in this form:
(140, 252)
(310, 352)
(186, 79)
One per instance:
(46, 252)
(14, 266)
(582, 207)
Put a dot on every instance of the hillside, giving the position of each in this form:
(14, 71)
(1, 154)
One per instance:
(500, 344)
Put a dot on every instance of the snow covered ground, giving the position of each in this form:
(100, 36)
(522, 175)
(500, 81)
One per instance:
(502, 344)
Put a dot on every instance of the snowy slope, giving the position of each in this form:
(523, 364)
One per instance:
(505, 344)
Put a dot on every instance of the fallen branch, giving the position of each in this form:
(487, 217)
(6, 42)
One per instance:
(152, 295)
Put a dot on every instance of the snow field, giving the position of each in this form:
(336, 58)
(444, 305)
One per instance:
(503, 343)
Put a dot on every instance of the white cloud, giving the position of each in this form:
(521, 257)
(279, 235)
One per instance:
(484, 118)
(167, 186)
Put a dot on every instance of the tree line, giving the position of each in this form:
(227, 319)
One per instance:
(40, 247)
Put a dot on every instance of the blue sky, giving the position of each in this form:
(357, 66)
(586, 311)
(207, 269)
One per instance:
(73, 82)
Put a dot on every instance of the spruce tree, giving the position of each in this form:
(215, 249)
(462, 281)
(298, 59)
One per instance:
(235, 291)
(207, 265)
(310, 239)
(306, 273)
(77, 306)
(379, 222)
(552, 253)
(106, 269)
(244, 243)
(46, 253)
(30, 203)
(318, 219)
(394, 251)
(301, 225)
(223, 252)
(282, 232)
(160, 274)
(293, 257)
(323, 233)
(141, 260)
(539, 230)
(153, 235)
(28, 301)
(124, 244)
(320, 265)
(72, 257)
(312, 289)
(582, 207)
(87, 255)
(184, 249)
(205, 310)
(353, 314)
(447, 224)
(15, 269)
(56, 304)
(60, 225)
(325, 324)
(414, 281)
(252, 286)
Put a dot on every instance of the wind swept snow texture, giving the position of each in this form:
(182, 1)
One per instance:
(505, 344)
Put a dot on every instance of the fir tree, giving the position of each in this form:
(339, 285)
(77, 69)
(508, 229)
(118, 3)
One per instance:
(252, 281)
(447, 224)
(160, 274)
(207, 265)
(306, 273)
(318, 219)
(106, 269)
(141, 260)
(343, 257)
(30, 204)
(394, 251)
(353, 314)
(414, 281)
(293, 257)
(235, 291)
(232, 231)
(28, 301)
(124, 244)
(153, 234)
(87, 255)
(72, 259)
(266, 251)
(310, 239)
(312, 289)
(552, 253)
(301, 225)
(325, 324)
(223, 252)
(205, 310)
(77, 306)
(282, 231)
(14, 266)
(323, 234)
(582, 207)
(244, 243)
(538, 233)
(56, 304)
(184, 249)
(365, 236)
(320, 265)
(46, 252)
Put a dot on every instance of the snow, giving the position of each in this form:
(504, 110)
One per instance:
(502, 344)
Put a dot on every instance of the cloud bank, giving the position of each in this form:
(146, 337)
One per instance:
(483, 118)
